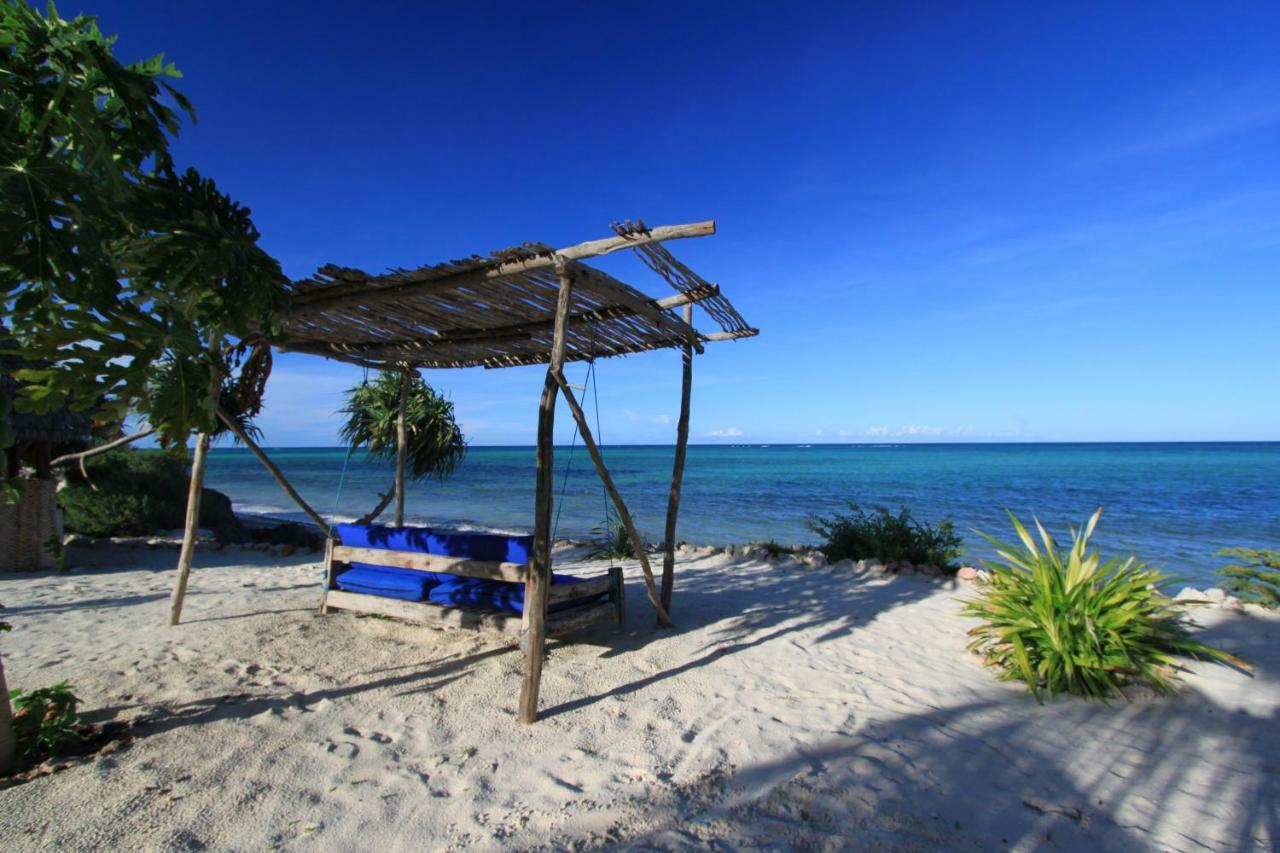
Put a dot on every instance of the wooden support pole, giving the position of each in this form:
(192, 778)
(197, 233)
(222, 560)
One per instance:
(588, 440)
(330, 576)
(534, 620)
(402, 446)
(677, 470)
(279, 476)
(188, 552)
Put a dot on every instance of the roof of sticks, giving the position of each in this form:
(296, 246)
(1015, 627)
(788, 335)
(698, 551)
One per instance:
(499, 310)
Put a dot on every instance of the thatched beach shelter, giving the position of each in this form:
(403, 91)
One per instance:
(28, 525)
(527, 305)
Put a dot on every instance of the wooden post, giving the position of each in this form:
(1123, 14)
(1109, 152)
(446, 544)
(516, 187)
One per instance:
(257, 451)
(624, 514)
(534, 620)
(402, 446)
(188, 552)
(330, 576)
(619, 594)
(677, 469)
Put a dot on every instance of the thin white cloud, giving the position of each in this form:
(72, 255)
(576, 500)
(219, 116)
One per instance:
(1194, 131)
(912, 431)
(915, 430)
(727, 432)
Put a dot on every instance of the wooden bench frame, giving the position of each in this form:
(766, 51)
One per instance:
(441, 616)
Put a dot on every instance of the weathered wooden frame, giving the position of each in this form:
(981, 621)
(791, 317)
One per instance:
(440, 616)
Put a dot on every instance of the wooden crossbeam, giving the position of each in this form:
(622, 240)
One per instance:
(488, 569)
(730, 336)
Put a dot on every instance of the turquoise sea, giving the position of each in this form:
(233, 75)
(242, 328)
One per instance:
(1173, 504)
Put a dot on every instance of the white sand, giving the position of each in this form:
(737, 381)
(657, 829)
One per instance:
(793, 708)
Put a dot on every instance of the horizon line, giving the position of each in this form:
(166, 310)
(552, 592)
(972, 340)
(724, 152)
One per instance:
(804, 444)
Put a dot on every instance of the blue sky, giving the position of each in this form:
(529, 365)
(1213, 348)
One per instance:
(951, 222)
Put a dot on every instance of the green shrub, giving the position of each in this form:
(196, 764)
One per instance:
(1255, 578)
(881, 535)
(773, 549)
(612, 542)
(1061, 621)
(137, 492)
(45, 723)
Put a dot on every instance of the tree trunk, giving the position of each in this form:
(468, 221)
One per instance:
(189, 533)
(402, 445)
(7, 741)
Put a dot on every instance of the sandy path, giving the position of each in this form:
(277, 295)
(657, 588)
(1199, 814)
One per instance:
(795, 707)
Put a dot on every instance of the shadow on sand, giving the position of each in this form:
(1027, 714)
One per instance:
(1186, 773)
(785, 600)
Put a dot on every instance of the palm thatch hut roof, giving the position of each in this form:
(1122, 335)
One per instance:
(61, 427)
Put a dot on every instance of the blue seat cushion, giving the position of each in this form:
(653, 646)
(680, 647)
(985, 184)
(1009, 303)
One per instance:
(405, 584)
(506, 597)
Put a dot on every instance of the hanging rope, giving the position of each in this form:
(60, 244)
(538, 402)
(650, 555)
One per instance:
(568, 465)
(590, 379)
(604, 494)
(342, 478)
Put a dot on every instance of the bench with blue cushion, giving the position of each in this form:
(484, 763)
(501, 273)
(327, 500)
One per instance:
(450, 577)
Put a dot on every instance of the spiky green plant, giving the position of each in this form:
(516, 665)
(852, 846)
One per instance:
(1255, 577)
(436, 444)
(1062, 621)
(612, 542)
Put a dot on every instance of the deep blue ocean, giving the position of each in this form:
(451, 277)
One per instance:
(1172, 504)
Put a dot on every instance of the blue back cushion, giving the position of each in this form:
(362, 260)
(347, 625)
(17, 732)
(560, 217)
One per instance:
(445, 543)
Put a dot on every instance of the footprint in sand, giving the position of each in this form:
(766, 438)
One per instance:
(376, 737)
(343, 748)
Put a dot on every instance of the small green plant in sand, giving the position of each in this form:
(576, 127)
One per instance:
(773, 549)
(612, 542)
(882, 535)
(45, 723)
(1061, 621)
(1254, 576)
